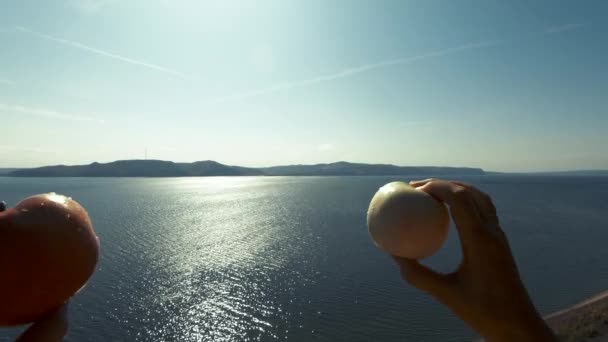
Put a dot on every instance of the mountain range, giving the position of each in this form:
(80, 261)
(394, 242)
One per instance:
(160, 168)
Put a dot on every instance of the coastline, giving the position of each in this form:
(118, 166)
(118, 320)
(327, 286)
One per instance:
(584, 321)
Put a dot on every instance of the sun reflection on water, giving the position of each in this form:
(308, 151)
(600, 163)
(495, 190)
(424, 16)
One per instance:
(216, 256)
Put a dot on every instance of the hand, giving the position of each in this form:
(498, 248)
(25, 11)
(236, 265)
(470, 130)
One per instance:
(485, 291)
(51, 328)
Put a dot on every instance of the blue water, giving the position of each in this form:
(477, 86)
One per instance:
(289, 258)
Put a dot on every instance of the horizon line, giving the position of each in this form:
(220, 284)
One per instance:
(329, 163)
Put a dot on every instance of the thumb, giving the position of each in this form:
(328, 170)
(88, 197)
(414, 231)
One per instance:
(424, 278)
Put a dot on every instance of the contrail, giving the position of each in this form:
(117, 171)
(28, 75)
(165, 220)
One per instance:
(299, 83)
(564, 28)
(352, 71)
(47, 113)
(104, 53)
(379, 65)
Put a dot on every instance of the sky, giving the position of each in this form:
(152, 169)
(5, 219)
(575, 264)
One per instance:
(501, 85)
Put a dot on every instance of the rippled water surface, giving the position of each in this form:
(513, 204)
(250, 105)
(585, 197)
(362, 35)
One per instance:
(289, 258)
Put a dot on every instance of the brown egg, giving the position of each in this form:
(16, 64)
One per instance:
(407, 222)
(48, 251)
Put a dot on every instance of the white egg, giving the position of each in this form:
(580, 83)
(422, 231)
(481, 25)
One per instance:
(407, 222)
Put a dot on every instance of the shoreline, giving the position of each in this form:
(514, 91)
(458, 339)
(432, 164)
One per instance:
(584, 321)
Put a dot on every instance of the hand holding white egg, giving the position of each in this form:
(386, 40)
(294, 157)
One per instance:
(407, 222)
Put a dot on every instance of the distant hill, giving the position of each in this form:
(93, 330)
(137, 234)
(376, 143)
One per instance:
(586, 173)
(357, 169)
(159, 168)
(139, 168)
(5, 171)
(574, 173)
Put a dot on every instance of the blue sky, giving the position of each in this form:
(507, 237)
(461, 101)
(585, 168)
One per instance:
(502, 85)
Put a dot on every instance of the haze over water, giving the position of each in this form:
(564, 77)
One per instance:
(289, 258)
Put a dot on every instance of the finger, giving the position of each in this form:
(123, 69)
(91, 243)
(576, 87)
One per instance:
(462, 208)
(418, 183)
(425, 279)
(483, 201)
(52, 327)
(461, 183)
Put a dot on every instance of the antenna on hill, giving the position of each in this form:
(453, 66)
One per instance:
(146, 154)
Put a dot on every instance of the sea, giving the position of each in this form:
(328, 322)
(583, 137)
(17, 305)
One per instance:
(290, 258)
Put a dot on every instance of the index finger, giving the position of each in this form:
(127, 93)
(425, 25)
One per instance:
(462, 208)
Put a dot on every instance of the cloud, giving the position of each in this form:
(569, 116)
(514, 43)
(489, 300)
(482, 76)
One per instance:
(47, 113)
(416, 123)
(325, 147)
(90, 6)
(352, 72)
(262, 59)
(12, 148)
(563, 28)
(104, 53)
(6, 82)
